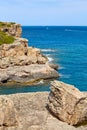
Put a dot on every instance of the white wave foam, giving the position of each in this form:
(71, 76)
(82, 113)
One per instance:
(68, 30)
(48, 55)
(72, 30)
(66, 76)
(48, 50)
(61, 67)
(50, 59)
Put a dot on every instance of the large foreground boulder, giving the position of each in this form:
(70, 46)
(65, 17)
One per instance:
(67, 103)
(33, 113)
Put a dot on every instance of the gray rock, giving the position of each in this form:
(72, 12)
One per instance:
(29, 73)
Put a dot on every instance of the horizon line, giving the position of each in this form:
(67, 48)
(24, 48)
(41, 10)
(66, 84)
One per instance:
(56, 25)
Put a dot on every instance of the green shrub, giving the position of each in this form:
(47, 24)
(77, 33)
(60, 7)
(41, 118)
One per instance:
(2, 24)
(5, 38)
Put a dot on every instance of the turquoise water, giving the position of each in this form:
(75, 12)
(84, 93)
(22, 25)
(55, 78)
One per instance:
(66, 46)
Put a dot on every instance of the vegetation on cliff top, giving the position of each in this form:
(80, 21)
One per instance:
(5, 38)
(5, 24)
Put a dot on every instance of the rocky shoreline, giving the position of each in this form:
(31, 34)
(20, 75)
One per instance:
(29, 111)
(21, 63)
(60, 109)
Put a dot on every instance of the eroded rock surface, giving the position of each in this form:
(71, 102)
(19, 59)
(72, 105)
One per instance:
(21, 63)
(33, 114)
(29, 112)
(18, 54)
(29, 73)
(67, 103)
(10, 28)
(8, 113)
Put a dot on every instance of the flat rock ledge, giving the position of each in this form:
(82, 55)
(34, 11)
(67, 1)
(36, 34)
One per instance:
(32, 113)
(67, 103)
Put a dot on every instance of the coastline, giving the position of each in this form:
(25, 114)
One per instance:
(60, 109)
(21, 63)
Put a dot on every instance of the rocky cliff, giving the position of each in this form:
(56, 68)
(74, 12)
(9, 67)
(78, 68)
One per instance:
(11, 28)
(20, 63)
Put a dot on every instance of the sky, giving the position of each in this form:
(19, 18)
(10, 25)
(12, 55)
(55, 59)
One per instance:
(44, 12)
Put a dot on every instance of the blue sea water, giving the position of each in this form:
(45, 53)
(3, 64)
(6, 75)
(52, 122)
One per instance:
(64, 45)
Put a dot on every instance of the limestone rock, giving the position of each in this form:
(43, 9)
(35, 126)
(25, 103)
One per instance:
(54, 66)
(21, 63)
(11, 28)
(33, 112)
(8, 114)
(18, 48)
(29, 73)
(35, 56)
(67, 103)
(19, 54)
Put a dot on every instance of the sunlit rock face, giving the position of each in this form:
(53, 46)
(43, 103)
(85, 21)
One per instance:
(67, 103)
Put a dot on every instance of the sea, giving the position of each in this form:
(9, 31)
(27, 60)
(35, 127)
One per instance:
(63, 45)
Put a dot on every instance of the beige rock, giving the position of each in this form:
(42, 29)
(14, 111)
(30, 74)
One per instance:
(41, 59)
(35, 56)
(33, 112)
(20, 54)
(8, 114)
(67, 103)
(11, 29)
(21, 63)
(18, 48)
